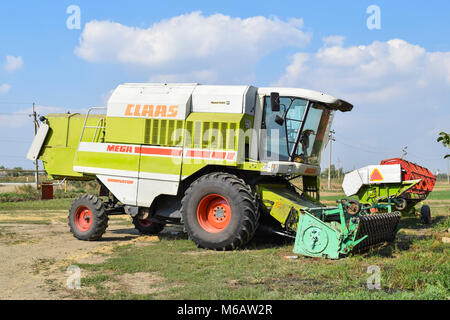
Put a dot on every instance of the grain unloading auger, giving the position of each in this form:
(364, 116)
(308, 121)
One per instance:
(217, 159)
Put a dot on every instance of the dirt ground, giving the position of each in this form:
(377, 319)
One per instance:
(7, 188)
(36, 255)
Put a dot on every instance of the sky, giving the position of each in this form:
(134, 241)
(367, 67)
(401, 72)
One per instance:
(390, 59)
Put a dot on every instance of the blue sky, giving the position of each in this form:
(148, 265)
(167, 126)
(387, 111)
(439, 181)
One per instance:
(398, 77)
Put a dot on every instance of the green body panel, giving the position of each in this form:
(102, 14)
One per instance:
(61, 143)
(215, 131)
(107, 161)
(283, 204)
(376, 193)
(161, 165)
(316, 238)
(160, 132)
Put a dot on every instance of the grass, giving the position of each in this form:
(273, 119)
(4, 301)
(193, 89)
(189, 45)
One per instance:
(54, 204)
(416, 266)
(415, 269)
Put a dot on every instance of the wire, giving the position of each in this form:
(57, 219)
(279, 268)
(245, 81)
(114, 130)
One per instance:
(362, 149)
(420, 157)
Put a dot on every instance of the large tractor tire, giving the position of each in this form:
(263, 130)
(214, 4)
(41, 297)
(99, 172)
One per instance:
(147, 227)
(220, 212)
(87, 218)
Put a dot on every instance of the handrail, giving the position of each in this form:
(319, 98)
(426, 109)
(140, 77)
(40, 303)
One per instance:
(89, 127)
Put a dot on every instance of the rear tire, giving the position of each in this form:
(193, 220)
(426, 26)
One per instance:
(87, 218)
(425, 214)
(220, 212)
(147, 227)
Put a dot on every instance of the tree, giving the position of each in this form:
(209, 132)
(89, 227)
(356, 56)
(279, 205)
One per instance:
(444, 138)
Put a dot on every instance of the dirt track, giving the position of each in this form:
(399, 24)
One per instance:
(36, 255)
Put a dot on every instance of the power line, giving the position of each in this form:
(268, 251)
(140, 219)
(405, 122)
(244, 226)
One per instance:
(363, 149)
(414, 155)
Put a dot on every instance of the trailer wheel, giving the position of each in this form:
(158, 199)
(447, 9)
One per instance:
(220, 212)
(147, 227)
(425, 214)
(87, 218)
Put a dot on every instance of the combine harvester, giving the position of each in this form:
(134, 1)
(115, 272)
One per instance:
(217, 159)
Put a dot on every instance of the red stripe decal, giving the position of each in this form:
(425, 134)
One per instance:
(198, 154)
(230, 155)
(159, 151)
(218, 155)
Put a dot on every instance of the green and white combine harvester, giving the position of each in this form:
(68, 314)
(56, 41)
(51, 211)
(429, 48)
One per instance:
(217, 159)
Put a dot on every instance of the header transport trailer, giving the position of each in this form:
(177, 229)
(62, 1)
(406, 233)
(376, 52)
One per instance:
(217, 159)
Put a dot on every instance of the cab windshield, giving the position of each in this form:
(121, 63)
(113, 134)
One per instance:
(282, 129)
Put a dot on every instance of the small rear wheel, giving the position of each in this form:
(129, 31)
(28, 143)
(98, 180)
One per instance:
(87, 218)
(425, 214)
(147, 227)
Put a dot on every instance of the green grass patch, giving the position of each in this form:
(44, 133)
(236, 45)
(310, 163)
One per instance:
(58, 204)
(413, 268)
(439, 195)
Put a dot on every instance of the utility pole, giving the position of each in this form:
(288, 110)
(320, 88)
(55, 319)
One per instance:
(448, 170)
(404, 153)
(36, 173)
(339, 169)
(329, 159)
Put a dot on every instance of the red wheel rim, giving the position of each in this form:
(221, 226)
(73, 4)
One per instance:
(83, 218)
(213, 213)
(144, 223)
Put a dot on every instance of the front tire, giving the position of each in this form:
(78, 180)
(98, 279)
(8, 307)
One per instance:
(87, 218)
(425, 214)
(220, 212)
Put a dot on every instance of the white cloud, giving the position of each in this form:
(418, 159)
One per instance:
(4, 88)
(380, 71)
(13, 63)
(333, 40)
(400, 92)
(191, 44)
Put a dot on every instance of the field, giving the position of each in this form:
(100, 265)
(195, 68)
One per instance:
(37, 249)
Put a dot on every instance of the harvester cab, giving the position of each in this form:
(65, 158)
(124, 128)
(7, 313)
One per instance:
(217, 159)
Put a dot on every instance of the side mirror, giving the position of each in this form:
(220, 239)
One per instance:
(275, 101)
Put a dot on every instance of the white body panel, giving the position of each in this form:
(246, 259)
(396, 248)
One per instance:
(224, 99)
(178, 100)
(126, 98)
(285, 167)
(38, 141)
(123, 188)
(353, 181)
(302, 93)
(149, 189)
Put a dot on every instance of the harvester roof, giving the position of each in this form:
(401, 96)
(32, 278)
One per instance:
(329, 101)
